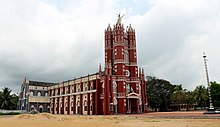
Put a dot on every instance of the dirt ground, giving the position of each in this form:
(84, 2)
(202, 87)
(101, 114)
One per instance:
(142, 120)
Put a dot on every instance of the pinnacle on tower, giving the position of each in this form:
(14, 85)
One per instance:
(140, 71)
(109, 27)
(130, 28)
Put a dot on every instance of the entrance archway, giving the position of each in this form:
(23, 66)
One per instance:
(40, 108)
(133, 103)
(32, 107)
(48, 108)
(78, 108)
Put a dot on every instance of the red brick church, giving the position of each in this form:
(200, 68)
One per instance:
(119, 89)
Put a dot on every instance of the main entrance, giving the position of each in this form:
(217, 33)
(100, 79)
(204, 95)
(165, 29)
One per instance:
(133, 103)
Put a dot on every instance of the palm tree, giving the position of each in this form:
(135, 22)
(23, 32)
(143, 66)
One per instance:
(7, 101)
(178, 95)
(201, 95)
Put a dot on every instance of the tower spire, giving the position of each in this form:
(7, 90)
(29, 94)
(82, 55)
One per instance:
(100, 70)
(142, 70)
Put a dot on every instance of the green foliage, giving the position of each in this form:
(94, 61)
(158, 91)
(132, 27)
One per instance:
(177, 96)
(182, 96)
(10, 113)
(215, 93)
(8, 101)
(159, 93)
(200, 95)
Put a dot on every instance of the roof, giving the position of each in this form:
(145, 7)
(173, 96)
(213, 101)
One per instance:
(37, 83)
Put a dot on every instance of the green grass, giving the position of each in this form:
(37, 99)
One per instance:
(151, 121)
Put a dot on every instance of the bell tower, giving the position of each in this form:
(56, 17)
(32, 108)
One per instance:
(122, 86)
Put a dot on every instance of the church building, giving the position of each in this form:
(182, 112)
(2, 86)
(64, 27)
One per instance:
(118, 89)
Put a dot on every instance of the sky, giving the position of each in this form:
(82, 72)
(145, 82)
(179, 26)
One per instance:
(57, 40)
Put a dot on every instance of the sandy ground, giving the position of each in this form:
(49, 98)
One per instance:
(49, 120)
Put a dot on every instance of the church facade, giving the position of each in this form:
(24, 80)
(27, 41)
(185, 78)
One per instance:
(118, 89)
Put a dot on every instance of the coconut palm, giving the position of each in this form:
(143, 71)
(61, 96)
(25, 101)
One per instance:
(178, 95)
(7, 101)
(201, 95)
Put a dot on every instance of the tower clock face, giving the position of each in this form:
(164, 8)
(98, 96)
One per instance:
(127, 73)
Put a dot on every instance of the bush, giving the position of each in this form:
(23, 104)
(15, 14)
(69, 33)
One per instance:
(10, 113)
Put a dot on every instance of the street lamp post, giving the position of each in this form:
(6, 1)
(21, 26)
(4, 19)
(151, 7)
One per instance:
(211, 108)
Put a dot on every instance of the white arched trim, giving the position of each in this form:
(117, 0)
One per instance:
(39, 94)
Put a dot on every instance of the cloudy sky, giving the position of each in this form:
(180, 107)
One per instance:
(56, 40)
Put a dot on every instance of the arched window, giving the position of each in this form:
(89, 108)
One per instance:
(61, 91)
(73, 89)
(46, 94)
(39, 94)
(126, 56)
(79, 88)
(114, 87)
(61, 102)
(78, 107)
(32, 107)
(128, 88)
(41, 108)
(91, 105)
(31, 93)
(67, 90)
(72, 105)
(85, 105)
(90, 87)
(48, 108)
(86, 87)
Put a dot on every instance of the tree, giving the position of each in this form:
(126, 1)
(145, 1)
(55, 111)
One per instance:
(178, 94)
(159, 93)
(200, 94)
(215, 93)
(182, 96)
(7, 101)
